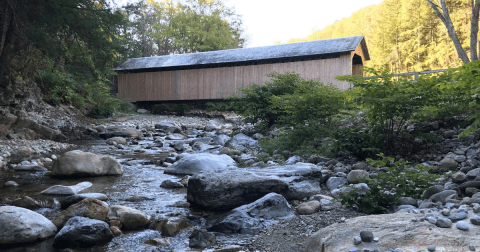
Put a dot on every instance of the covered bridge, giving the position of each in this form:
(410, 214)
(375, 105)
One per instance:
(219, 74)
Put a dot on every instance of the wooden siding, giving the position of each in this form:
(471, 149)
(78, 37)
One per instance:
(219, 83)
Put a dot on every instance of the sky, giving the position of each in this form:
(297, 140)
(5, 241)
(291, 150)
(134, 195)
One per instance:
(269, 21)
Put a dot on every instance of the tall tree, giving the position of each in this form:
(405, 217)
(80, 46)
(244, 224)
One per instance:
(440, 8)
(79, 36)
(189, 26)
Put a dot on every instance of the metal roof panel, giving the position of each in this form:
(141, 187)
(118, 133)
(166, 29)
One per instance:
(317, 47)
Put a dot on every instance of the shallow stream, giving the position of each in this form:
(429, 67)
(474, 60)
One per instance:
(139, 188)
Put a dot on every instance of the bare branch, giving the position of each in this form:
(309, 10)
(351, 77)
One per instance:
(445, 17)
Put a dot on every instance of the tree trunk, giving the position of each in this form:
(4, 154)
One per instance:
(475, 6)
(445, 17)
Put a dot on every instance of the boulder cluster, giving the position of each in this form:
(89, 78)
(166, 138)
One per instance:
(218, 171)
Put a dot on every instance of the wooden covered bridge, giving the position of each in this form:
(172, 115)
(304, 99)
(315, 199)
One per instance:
(219, 74)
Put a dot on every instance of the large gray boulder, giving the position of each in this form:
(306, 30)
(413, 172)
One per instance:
(83, 232)
(230, 188)
(79, 163)
(167, 127)
(243, 142)
(394, 231)
(20, 225)
(250, 218)
(196, 163)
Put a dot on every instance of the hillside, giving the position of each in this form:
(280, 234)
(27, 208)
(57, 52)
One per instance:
(404, 35)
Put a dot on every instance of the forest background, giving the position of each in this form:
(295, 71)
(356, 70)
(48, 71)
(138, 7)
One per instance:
(405, 35)
(68, 48)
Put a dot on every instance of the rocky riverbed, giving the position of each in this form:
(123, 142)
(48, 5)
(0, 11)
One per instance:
(168, 183)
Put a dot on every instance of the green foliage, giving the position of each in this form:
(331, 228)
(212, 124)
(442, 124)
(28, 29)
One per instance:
(466, 81)
(178, 109)
(389, 102)
(163, 28)
(220, 106)
(61, 88)
(311, 101)
(398, 179)
(406, 35)
(299, 140)
(359, 142)
(257, 103)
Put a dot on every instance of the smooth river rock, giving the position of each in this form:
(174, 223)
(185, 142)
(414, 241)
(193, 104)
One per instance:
(230, 188)
(64, 203)
(20, 225)
(66, 190)
(243, 142)
(250, 218)
(90, 208)
(196, 163)
(83, 232)
(394, 231)
(129, 218)
(79, 163)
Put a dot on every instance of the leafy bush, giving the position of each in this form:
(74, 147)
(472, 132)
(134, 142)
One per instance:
(257, 104)
(466, 83)
(359, 142)
(228, 105)
(59, 87)
(179, 109)
(389, 102)
(299, 140)
(398, 180)
(311, 101)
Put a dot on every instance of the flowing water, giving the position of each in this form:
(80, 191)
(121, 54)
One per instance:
(139, 188)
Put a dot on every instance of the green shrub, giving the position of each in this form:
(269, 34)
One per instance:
(359, 142)
(257, 104)
(299, 140)
(59, 87)
(228, 105)
(310, 102)
(161, 108)
(101, 111)
(398, 180)
(389, 102)
(179, 108)
(125, 107)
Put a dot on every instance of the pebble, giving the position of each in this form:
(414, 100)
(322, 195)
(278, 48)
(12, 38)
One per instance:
(463, 225)
(376, 239)
(445, 212)
(357, 240)
(353, 249)
(472, 247)
(11, 184)
(431, 248)
(476, 208)
(458, 216)
(342, 219)
(475, 219)
(443, 222)
(366, 236)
